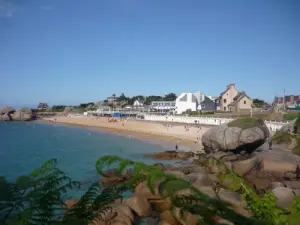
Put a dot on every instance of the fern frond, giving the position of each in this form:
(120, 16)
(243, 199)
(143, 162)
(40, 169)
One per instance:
(107, 161)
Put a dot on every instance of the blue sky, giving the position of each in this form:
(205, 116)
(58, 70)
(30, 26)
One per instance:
(72, 51)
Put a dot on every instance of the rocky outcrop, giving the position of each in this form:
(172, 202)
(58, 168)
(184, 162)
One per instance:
(289, 136)
(6, 110)
(111, 176)
(5, 117)
(283, 196)
(118, 214)
(23, 115)
(171, 155)
(139, 205)
(10, 114)
(245, 134)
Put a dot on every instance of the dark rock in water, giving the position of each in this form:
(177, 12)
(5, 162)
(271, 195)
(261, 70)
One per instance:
(171, 155)
(245, 134)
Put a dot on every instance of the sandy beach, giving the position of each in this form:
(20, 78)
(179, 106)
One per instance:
(187, 135)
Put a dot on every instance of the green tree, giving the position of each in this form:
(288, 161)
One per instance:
(58, 108)
(170, 97)
(123, 97)
(259, 103)
(152, 98)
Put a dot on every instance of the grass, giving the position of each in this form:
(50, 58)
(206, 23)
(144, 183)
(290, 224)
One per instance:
(246, 123)
(297, 125)
(296, 150)
(282, 138)
(290, 116)
(198, 113)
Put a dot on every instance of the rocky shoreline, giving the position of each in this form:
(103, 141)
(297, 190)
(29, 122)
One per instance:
(229, 151)
(10, 114)
(203, 173)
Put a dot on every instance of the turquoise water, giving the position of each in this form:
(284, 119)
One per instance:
(24, 146)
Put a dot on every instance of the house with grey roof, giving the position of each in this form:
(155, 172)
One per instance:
(193, 102)
(207, 105)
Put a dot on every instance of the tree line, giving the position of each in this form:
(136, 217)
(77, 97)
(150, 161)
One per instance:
(147, 99)
(120, 101)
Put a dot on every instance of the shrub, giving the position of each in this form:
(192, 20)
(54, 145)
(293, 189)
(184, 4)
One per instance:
(297, 125)
(290, 116)
(246, 122)
(296, 150)
(282, 138)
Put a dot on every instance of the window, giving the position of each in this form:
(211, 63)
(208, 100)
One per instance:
(203, 106)
(245, 102)
(224, 100)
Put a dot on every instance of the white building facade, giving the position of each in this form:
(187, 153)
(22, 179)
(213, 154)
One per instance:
(196, 101)
(138, 103)
(164, 106)
(186, 101)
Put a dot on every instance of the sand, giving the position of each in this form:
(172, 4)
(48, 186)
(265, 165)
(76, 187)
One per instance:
(187, 135)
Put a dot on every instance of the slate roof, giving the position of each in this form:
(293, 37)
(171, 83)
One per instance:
(207, 100)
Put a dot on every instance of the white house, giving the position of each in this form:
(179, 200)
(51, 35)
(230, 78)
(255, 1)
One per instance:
(186, 101)
(138, 103)
(194, 101)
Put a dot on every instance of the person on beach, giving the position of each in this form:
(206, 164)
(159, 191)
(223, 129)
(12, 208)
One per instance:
(176, 147)
(270, 142)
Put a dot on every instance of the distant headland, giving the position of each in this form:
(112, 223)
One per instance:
(10, 114)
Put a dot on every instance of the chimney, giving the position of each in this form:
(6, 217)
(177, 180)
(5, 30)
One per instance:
(230, 85)
(292, 99)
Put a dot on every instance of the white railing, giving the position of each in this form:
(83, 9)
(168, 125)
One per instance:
(272, 125)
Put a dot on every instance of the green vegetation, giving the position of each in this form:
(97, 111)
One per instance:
(38, 197)
(290, 116)
(147, 99)
(246, 122)
(288, 138)
(199, 113)
(282, 138)
(296, 150)
(259, 103)
(58, 108)
(297, 125)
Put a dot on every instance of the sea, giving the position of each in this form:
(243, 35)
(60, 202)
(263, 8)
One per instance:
(24, 146)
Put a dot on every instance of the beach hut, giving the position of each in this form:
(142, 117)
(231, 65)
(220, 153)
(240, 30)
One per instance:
(116, 114)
